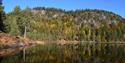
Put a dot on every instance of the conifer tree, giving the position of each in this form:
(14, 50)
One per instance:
(2, 18)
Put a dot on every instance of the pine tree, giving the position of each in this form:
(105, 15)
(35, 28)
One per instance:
(17, 14)
(2, 18)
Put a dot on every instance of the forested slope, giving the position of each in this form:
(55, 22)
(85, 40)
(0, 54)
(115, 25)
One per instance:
(54, 24)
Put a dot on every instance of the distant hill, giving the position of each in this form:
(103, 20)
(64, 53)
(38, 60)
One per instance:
(88, 16)
(54, 24)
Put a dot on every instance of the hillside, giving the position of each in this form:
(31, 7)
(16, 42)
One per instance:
(88, 16)
(56, 24)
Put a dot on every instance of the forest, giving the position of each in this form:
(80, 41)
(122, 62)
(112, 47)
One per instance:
(55, 24)
(105, 28)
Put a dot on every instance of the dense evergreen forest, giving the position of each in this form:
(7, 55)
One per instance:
(55, 24)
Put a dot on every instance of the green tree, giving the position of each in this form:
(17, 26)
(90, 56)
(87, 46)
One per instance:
(2, 18)
(18, 17)
(12, 20)
(14, 30)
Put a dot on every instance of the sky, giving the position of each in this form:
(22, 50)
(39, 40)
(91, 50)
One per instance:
(116, 6)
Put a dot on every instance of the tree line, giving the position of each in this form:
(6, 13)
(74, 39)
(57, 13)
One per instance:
(55, 24)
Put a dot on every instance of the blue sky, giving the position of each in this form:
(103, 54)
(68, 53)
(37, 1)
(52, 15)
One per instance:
(116, 6)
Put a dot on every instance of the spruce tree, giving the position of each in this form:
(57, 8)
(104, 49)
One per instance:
(2, 18)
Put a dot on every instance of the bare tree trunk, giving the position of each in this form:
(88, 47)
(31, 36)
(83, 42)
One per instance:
(25, 32)
(24, 56)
